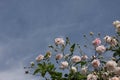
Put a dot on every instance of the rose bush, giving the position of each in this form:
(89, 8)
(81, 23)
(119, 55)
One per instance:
(67, 61)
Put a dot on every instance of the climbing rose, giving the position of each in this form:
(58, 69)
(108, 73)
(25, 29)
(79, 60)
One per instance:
(76, 58)
(92, 77)
(39, 58)
(96, 42)
(100, 49)
(95, 63)
(59, 41)
(111, 65)
(64, 65)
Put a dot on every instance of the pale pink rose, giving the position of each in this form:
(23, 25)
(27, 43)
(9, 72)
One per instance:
(114, 42)
(92, 77)
(84, 70)
(114, 78)
(111, 65)
(73, 69)
(117, 70)
(59, 41)
(64, 65)
(96, 42)
(39, 58)
(100, 49)
(115, 23)
(107, 39)
(84, 57)
(59, 56)
(95, 63)
(76, 58)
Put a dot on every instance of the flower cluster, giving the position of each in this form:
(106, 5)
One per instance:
(67, 61)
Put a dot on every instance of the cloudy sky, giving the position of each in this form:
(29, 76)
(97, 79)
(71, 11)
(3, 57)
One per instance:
(27, 27)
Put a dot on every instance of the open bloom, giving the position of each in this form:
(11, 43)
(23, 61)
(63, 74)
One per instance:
(117, 70)
(96, 42)
(95, 63)
(114, 78)
(39, 58)
(73, 69)
(76, 58)
(92, 77)
(64, 65)
(100, 49)
(107, 39)
(112, 41)
(117, 25)
(111, 65)
(59, 56)
(84, 70)
(59, 41)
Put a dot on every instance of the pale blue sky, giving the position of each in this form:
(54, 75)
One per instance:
(27, 27)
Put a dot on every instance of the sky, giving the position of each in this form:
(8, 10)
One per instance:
(27, 27)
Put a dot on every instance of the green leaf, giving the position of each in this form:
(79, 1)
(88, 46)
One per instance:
(72, 48)
(36, 71)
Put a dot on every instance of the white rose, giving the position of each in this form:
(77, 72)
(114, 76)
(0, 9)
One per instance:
(64, 65)
(95, 63)
(73, 69)
(111, 65)
(100, 49)
(92, 77)
(59, 41)
(39, 58)
(76, 58)
(84, 70)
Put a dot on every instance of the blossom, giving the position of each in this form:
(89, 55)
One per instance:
(59, 41)
(117, 70)
(112, 41)
(39, 58)
(110, 65)
(84, 57)
(64, 65)
(116, 23)
(92, 77)
(73, 69)
(76, 58)
(84, 70)
(108, 39)
(114, 78)
(96, 42)
(95, 63)
(100, 49)
(59, 56)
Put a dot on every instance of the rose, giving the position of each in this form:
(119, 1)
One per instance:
(59, 41)
(92, 77)
(76, 58)
(114, 78)
(84, 70)
(73, 69)
(111, 65)
(95, 63)
(100, 49)
(39, 58)
(59, 56)
(64, 65)
(96, 42)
